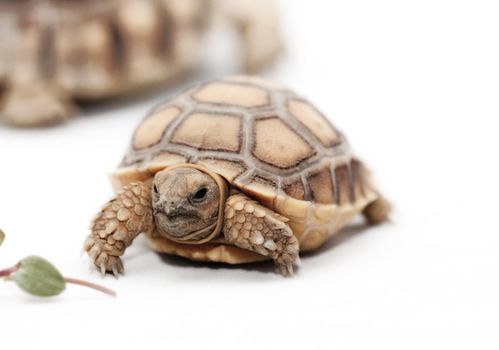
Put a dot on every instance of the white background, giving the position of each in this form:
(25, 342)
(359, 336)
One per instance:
(414, 85)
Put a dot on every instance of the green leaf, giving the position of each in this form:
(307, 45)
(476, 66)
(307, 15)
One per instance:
(38, 277)
(2, 237)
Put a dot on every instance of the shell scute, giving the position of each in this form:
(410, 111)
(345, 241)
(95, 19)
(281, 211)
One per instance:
(295, 189)
(151, 130)
(343, 178)
(275, 143)
(205, 131)
(314, 121)
(321, 186)
(232, 94)
(230, 169)
(164, 160)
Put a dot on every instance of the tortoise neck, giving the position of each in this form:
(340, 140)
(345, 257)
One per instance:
(214, 230)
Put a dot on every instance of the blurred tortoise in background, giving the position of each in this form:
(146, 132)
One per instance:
(234, 170)
(55, 51)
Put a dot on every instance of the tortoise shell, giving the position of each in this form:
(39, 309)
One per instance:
(94, 49)
(266, 141)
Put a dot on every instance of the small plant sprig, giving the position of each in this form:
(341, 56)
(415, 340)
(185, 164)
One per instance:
(39, 277)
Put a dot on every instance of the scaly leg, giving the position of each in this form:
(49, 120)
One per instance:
(35, 105)
(251, 226)
(122, 219)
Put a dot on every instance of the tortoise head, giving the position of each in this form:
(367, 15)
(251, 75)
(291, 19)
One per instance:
(188, 203)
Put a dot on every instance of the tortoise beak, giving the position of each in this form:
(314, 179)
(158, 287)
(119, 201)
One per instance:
(173, 208)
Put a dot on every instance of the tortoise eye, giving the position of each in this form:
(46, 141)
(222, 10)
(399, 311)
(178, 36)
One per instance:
(200, 195)
(155, 188)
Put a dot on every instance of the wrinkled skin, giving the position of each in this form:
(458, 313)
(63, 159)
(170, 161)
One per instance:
(185, 203)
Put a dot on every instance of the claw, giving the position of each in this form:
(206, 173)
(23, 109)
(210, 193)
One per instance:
(281, 269)
(285, 267)
(94, 253)
(102, 269)
(116, 271)
(89, 243)
(121, 268)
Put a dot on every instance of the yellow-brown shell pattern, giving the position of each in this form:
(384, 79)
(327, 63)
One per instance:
(99, 48)
(265, 140)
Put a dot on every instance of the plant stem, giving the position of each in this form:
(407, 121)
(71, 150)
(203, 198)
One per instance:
(97, 287)
(9, 271)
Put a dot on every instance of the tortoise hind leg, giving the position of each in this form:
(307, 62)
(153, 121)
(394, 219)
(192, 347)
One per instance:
(378, 211)
(257, 22)
(35, 105)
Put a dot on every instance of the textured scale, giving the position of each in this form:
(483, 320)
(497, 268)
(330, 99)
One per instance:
(115, 227)
(251, 226)
(268, 142)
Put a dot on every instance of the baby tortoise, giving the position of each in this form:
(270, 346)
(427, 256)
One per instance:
(234, 170)
(53, 52)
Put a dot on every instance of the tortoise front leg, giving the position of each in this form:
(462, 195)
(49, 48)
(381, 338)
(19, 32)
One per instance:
(35, 104)
(122, 219)
(249, 225)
